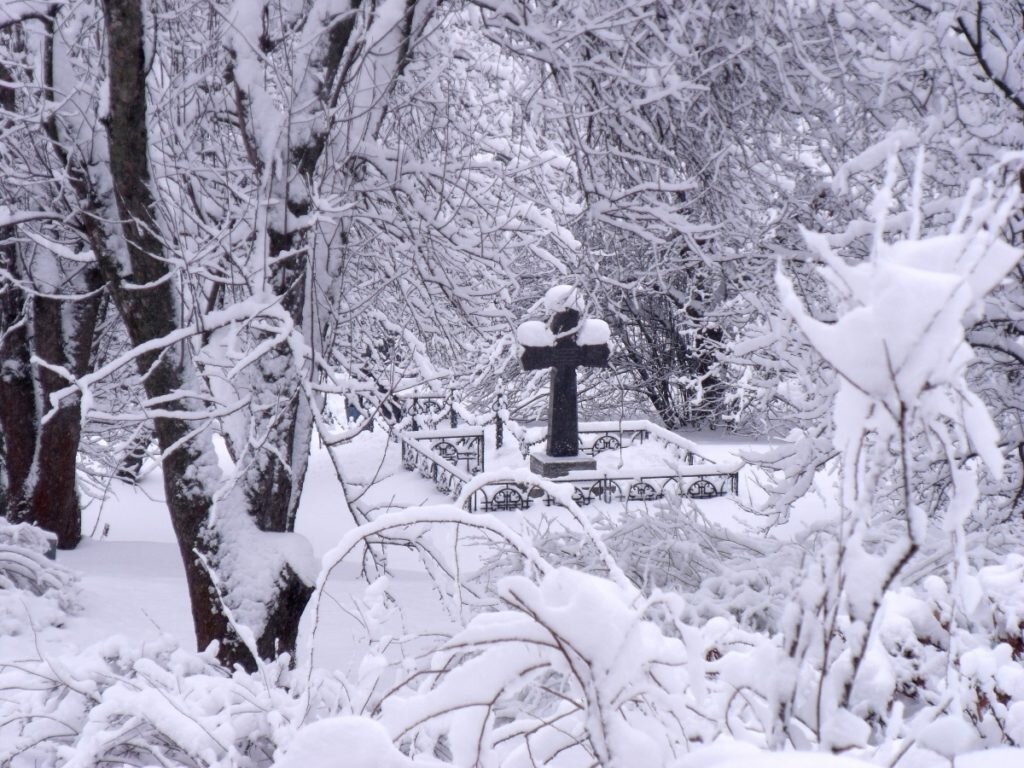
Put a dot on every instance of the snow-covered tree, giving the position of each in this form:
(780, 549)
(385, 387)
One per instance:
(49, 290)
(283, 201)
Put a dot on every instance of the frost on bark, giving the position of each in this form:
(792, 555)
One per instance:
(41, 438)
(62, 331)
(288, 171)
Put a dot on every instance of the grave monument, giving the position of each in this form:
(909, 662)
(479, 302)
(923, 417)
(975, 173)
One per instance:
(568, 340)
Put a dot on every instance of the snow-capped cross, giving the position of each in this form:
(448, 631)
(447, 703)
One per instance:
(564, 343)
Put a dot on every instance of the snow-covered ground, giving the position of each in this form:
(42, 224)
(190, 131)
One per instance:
(133, 580)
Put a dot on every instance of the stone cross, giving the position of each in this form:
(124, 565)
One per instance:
(565, 343)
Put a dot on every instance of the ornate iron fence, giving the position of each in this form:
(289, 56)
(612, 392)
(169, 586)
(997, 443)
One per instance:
(463, 445)
(420, 457)
(599, 436)
(437, 455)
(589, 487)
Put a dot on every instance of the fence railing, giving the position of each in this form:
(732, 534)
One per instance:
(461, 445)
(703, 482)
(598, 436)
(451, 457)
(420, 457)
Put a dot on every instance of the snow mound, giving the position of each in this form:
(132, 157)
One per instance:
(594, 332)
(356, 742)
(534, 333)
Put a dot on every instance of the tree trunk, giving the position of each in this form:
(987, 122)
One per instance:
(277, 467)
(147, 303)
(42, 456)
(134, 456)
(53, 501)
(17, 394)
(17, 403)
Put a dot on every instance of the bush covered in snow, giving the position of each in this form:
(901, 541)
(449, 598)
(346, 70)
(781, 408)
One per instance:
(670, 546)
(570, 669)
(34, 591)
(115, 703)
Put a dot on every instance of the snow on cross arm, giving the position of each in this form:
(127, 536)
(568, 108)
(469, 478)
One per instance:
(534, 333)
(593, 331)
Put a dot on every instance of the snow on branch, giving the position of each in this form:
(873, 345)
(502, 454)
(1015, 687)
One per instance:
(898, 343)
(9, 218)
(241, 312)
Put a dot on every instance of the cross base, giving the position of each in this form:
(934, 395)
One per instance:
(559, 466)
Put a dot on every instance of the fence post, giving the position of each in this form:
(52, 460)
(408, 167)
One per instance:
(499, 424)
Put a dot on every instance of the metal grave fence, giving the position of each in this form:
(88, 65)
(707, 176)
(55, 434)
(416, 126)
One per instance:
(450, 458)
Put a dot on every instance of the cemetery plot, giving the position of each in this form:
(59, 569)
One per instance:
(636, 461)
(571, 453)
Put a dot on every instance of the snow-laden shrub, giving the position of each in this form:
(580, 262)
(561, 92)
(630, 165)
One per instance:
(927, 661)
(120, 703)
(897, 342)
(931, 679)
(35, 592)
(572, 669)
(669, 545)
(513, 688)
(929, 654)
(535, 681)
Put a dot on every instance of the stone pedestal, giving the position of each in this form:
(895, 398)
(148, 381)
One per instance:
(559, 466)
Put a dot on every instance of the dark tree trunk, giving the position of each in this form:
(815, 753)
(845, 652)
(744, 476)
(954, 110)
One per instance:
(53, 502)
(278, 466)
(41, 457)
(275, 487)
(52, 498)
(146, 302)
(147, 306)
(17, 393)
(17, 399)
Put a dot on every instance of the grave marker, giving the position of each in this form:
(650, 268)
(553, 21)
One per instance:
(566, 342)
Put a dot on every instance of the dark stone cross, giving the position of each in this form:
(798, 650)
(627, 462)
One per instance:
(567, 352)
